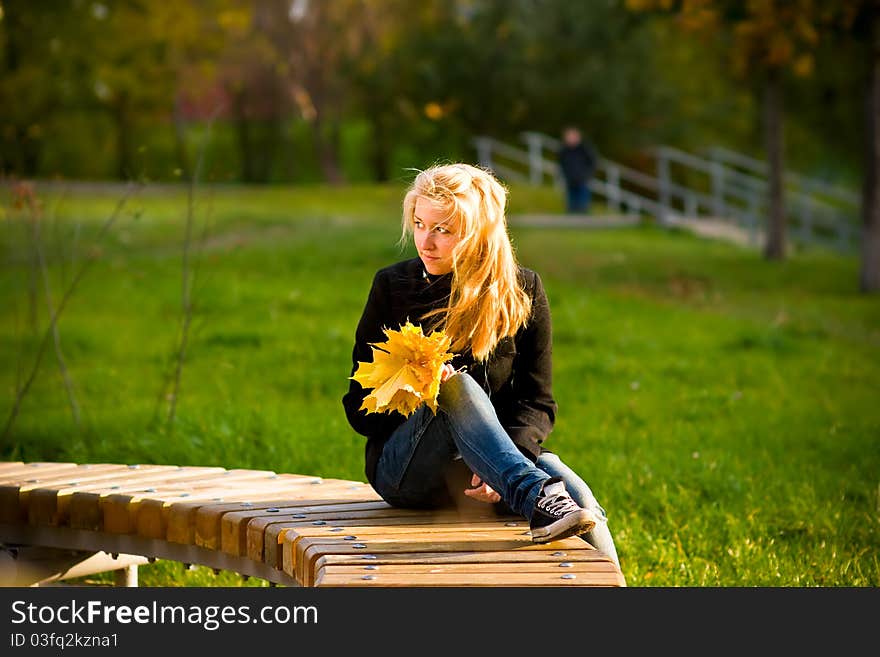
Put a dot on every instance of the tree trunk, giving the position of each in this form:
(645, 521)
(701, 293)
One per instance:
(380, 152)
(243, 131)
(327, 150)
(268, 138)
(869, 280)
(122, 118)
(774, 248)
(180, 150)
(19, 148)
(25, 151)
(289, 161)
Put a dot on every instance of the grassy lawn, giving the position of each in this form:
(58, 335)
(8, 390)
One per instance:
(723, 409)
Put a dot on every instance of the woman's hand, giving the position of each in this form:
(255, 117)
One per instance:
(447, 371)
(482, 491)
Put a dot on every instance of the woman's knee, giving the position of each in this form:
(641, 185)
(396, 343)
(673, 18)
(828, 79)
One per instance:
(464, 401)
(458, 388)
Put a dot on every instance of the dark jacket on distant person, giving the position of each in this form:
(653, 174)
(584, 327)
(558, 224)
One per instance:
(577, 163)
(517, 375)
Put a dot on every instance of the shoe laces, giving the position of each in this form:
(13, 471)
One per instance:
(557, 504)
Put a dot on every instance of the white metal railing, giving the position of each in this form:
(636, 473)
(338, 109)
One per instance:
(742, 196)
(795, 180)
(687, 185)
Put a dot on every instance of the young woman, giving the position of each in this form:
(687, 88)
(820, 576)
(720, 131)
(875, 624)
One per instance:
(496, 402)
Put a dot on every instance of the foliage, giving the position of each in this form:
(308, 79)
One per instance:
(405, 371)
(763, 34)
(120, 90)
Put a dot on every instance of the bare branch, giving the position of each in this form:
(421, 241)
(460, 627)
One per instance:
(59, 355)
(188, 274)
(86, 265)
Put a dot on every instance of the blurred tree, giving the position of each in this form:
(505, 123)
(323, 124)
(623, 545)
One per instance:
(698, 103)
(593, 65)
(40, 58)
(499, 68)
(250, 72)
(767, 39)
(471, 67)
(438, 72)
(383, 75)
(192, 41)
(859, 21)
(126, 59)
(315, 42)
(424, 76)
(132, 69)
(435, 82)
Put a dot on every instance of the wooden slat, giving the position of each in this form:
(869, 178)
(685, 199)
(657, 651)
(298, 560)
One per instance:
(182, 516)
(395, 531)
(497, 572)
(121, 511)
(312, 550)
(273, 537)
(300, 551)
(32, 470)
(49, 506)
(600, 575)
(235, 527)
(582, 551)
(86, 509)
(153, 514)
(181, 521)
(245, 533)
(471, 532)
(14, 496)
(264, 535)
(209, 521)
(9, 466)
(579, 551)
(560, 568)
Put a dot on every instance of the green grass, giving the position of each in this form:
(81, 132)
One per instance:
(724, 409)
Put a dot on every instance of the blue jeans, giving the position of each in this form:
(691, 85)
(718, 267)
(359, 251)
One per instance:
(577, 197)
(428, 460)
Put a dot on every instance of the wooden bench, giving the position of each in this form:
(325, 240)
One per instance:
(289, 529)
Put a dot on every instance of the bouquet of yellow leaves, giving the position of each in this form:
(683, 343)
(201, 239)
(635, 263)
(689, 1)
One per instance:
(405, 370)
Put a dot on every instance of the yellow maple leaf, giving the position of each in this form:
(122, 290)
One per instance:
(405, 371)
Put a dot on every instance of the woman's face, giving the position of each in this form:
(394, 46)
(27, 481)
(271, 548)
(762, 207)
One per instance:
(434, 236)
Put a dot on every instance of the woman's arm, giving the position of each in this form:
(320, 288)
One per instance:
(369, 330)
(534, 409)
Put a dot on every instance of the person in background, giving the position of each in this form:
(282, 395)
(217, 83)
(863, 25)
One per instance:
(496, 403)
(577, 161)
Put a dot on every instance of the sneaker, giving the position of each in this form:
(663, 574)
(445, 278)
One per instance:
(556, 515)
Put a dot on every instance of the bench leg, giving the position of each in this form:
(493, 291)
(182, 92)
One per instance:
(126, 577)
(34, 565)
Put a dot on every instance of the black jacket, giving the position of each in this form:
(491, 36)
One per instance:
(517, 375)
(577, 163)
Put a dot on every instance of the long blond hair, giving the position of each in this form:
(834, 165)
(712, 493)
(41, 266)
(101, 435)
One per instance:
(487, 302)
